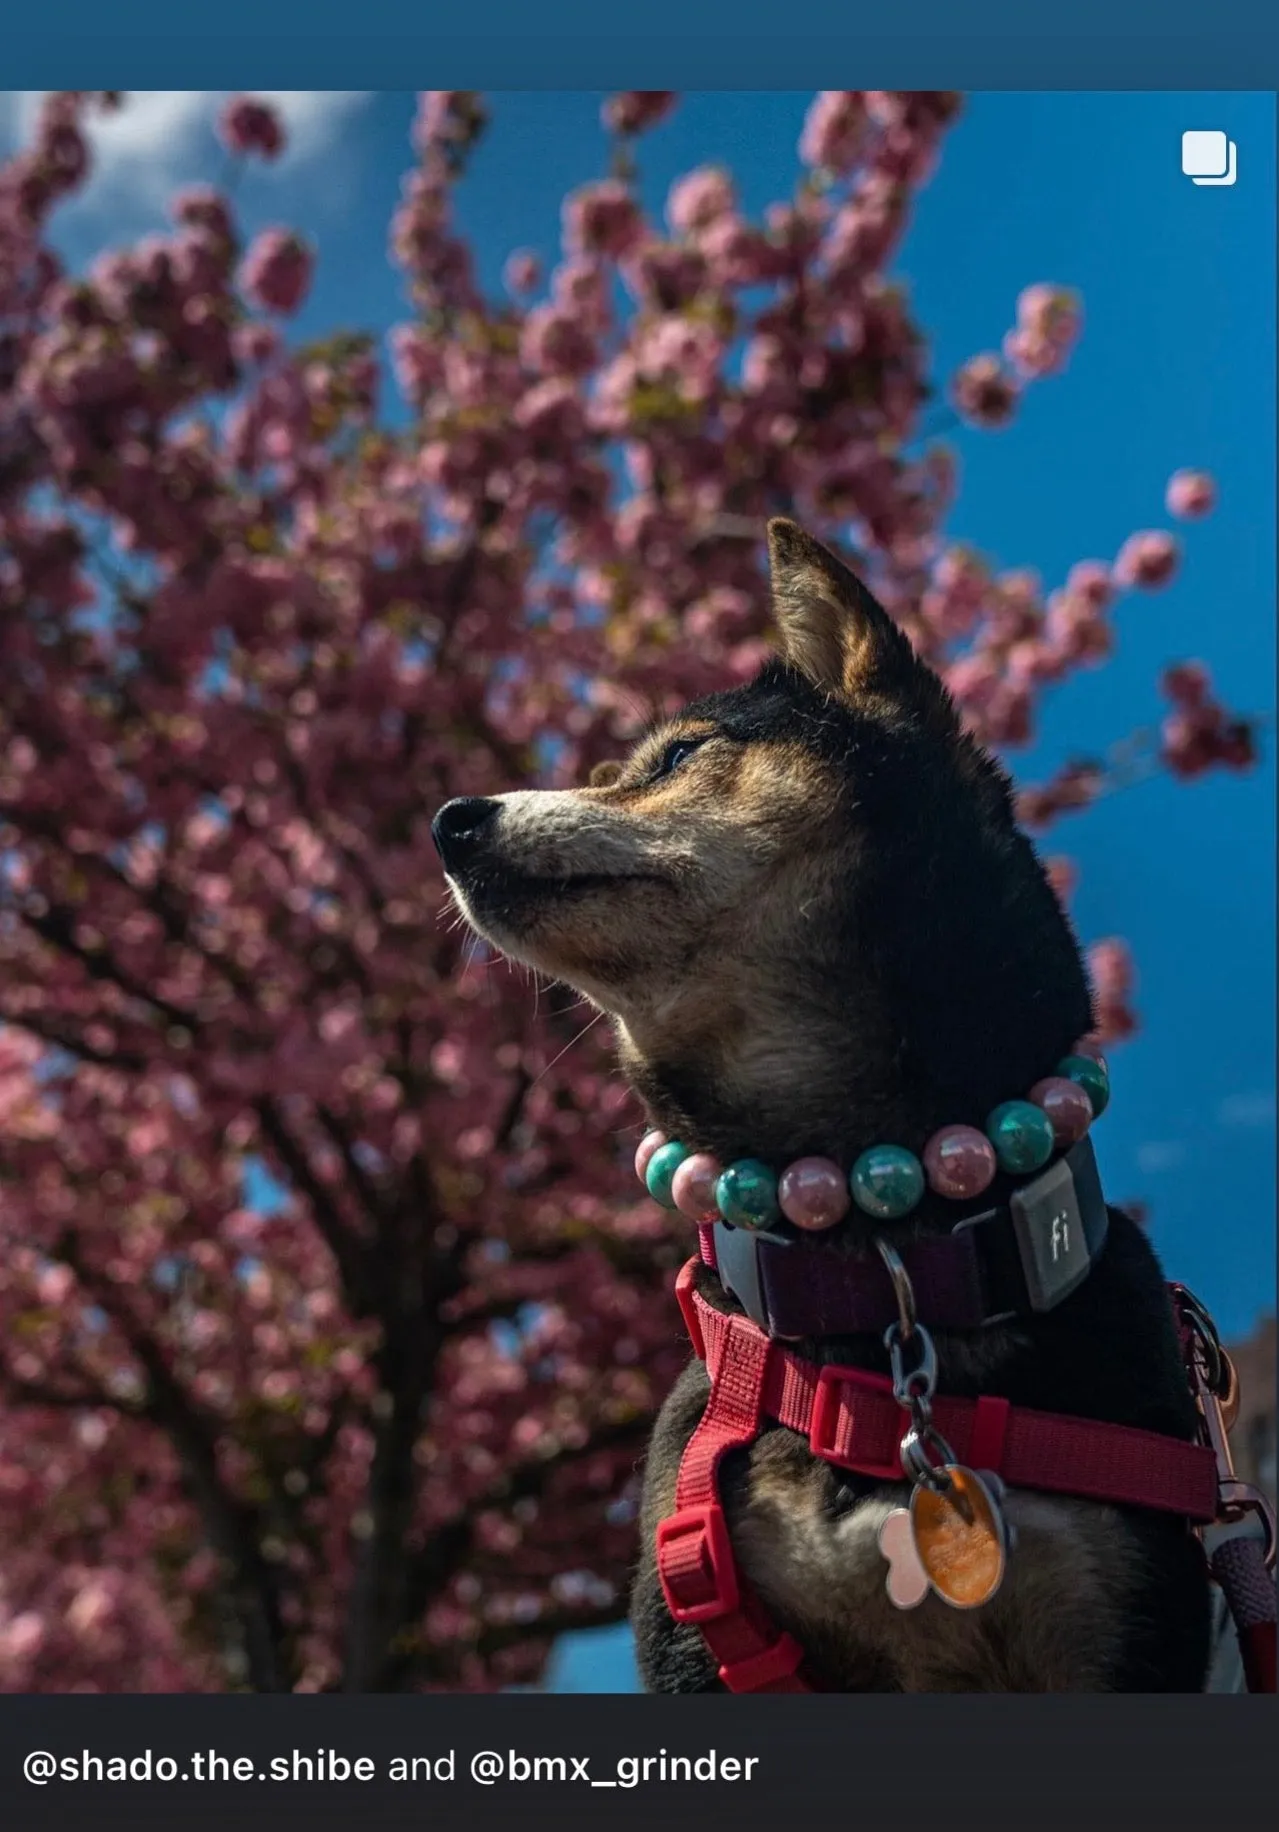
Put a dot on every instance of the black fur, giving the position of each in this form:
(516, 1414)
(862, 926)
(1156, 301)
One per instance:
(889, 958)
(946, 947)
(962, 984)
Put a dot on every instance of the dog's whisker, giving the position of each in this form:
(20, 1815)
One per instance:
(568, 1046)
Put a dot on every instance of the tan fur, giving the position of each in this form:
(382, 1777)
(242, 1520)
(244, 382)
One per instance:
(705, 867)
(836, 634)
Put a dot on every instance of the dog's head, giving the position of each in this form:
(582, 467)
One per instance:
(804, 901)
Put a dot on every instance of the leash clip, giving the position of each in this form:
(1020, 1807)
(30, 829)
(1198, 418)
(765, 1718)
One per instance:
(1214, 1383)
(926, 1457)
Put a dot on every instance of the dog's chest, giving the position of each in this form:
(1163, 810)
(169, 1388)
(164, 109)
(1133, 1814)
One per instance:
(811, 1551)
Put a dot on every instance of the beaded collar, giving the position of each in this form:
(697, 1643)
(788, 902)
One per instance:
(1023, 1257)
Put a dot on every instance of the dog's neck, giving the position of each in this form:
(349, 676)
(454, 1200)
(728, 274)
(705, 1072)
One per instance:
(779, 1079)
(760, 1084)
(749, 1079)
(855, 1031)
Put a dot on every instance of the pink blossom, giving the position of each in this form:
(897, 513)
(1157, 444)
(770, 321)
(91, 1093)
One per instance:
(1110, 964)
(698, 200)
(522, 272)
(602, 219)
(1050, 313)
(667, 275)
(735, 254)
(203, 207)
(255, 343)
(1090, 581)
(582, 286)
(687, 351)
(1063, 875)
(632, 111)
(252, 127)
(1188, 684)
(554, 341)
(1191, 494)
(1146, 561)
(1077, 630)
(276, 273)
(449, 121)
(834, 129)
(984, 392)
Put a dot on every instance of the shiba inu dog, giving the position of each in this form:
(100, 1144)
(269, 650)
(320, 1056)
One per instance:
(807, 908)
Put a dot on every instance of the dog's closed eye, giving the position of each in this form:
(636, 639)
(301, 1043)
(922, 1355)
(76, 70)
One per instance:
(676, 753)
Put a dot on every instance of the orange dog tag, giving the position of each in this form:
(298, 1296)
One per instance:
(960, 1538)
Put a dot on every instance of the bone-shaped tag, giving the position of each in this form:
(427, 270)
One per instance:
(907, 1581)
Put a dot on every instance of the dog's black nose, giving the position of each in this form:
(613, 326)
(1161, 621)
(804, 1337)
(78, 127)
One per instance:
(459, 825)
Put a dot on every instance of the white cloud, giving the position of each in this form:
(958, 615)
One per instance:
(1160, 1154)
(1256, 1108)
(164, 137)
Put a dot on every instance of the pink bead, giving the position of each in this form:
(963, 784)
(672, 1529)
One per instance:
(959, 1162)
(651, 1142)
(813, 1193)
(1092, 1050)
(693, 1186)
(1067, 1106)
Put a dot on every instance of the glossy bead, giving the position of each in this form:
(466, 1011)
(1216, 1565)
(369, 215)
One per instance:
(660, 1174)
(651, 1142)
(746, 1194)
(813, 1193)
(693, 1186)
(959, 1162)
(1067, 1106)
(1092, 1078)
(1022, 1136)
(1086, 1048)
(887, 1181)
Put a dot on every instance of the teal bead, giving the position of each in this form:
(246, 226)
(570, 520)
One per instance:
(1022, 1136)
(746, 1194)
(1091, 1077)
(887, 1181)
(661, 1170)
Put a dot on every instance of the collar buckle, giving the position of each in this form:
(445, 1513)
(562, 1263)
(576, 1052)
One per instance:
(738, 1265)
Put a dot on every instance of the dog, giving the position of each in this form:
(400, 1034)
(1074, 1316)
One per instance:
(808, 910)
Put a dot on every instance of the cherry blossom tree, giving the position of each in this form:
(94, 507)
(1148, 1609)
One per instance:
(379, 1432)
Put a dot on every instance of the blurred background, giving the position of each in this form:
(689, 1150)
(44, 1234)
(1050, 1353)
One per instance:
(235, 1125)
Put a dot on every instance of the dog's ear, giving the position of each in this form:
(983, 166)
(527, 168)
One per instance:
(604, 775)
(835, 633)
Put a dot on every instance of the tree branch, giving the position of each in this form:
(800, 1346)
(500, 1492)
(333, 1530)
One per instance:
(346, 1250)
(230, 1524)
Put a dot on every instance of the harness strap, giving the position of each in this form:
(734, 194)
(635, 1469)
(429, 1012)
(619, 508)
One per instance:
(852, 1420)
(1239, 1566)
(695, 1562)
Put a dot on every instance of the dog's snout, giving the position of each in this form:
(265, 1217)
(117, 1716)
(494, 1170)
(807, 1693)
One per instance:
(459, 825)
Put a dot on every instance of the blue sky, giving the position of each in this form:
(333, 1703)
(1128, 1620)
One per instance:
(1176, 368)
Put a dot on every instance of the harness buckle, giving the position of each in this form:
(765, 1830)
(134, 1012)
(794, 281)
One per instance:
(695, 1564)
(824, 1435)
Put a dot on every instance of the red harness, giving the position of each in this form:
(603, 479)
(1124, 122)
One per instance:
(852, 1420)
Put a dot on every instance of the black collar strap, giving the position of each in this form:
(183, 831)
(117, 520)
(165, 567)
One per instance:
(1013, 1261)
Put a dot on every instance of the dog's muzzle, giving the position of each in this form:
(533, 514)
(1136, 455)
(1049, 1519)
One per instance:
(460, 828)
